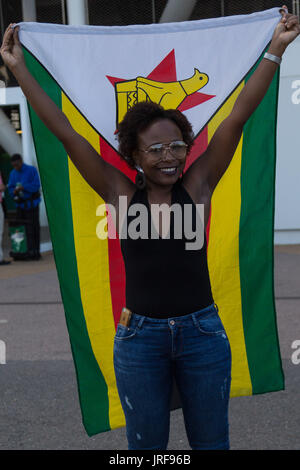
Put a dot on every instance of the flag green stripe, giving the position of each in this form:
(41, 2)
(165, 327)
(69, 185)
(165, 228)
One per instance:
(53, 168)
(256, 239)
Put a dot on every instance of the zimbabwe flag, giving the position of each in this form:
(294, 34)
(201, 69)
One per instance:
(94, 75)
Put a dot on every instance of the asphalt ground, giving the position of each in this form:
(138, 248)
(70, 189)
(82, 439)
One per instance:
(39, 406)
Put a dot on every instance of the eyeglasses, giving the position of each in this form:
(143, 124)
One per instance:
(177, 148)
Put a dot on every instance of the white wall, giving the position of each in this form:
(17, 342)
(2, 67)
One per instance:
(287, 200)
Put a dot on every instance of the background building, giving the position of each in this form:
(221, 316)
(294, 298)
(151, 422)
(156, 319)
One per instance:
(15, 133)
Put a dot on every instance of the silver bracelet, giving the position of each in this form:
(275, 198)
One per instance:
(273, 58)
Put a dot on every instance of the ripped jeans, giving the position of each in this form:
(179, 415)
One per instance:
(193, 348)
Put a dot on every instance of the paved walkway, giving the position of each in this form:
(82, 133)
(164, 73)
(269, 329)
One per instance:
(39, 407)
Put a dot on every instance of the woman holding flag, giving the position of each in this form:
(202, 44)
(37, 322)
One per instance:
(178, 335)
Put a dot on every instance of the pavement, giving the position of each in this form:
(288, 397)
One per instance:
(39, 407)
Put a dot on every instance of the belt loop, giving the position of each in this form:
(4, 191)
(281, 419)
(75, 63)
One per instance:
(216, 307)
(141, 321)
(194, 319)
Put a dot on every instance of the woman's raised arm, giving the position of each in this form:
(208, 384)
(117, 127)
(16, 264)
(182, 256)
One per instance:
(213, 163)
(102, 177)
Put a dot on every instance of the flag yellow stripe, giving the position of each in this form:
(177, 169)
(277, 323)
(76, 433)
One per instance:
(223, 256)
(93, 267)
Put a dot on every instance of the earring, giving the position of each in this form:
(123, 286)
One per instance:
(140, 179)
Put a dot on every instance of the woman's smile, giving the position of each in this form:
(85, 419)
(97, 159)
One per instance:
(170, 171)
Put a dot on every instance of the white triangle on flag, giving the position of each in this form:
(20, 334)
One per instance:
(85, 60)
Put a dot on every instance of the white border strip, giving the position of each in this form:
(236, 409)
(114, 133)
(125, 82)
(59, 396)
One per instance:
(152, 28)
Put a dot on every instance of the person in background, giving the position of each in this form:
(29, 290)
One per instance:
(24, 185)
(2, 188)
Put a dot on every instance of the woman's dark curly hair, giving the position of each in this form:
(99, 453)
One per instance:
(141, 116)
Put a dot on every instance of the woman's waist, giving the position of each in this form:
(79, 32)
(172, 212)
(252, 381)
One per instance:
(166, 303)
(168, 297)
(132, 319)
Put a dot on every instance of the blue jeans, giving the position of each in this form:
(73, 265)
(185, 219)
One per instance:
(193, 348)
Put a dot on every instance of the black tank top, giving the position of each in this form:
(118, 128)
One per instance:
(163, 278)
